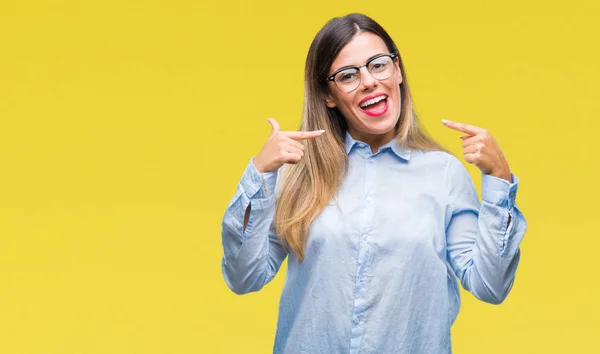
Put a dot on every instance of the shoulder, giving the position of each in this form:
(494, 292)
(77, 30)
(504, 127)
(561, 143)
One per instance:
(449, 167)
(441, 159)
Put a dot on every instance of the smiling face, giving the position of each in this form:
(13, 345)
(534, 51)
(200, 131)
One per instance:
(373, 109)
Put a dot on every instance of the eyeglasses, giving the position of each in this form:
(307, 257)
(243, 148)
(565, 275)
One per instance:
(381, 67)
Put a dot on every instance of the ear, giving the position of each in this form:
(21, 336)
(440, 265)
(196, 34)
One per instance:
(329, 100)
(398, 71)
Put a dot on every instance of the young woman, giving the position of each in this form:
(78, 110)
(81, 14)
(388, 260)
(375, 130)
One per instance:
(377, 221)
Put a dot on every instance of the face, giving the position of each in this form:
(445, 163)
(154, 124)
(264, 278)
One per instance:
(371, 123)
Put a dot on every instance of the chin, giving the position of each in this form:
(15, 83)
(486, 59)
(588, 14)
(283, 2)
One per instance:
(381, 125)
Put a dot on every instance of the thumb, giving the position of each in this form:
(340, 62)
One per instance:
(274, 126)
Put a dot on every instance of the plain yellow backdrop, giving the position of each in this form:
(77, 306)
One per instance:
(126, 125)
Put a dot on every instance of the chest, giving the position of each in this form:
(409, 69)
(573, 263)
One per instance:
(391, 208)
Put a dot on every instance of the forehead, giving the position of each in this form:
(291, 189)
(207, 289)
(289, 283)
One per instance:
(362, 47)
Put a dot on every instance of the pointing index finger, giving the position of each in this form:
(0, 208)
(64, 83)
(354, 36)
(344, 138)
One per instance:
(304, 135)
(462, 127)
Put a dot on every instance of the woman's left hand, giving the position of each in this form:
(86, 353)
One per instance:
(481, 149)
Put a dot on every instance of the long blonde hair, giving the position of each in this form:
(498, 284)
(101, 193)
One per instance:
(308, 186)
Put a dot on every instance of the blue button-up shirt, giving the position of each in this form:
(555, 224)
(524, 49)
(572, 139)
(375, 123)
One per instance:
(384, 257)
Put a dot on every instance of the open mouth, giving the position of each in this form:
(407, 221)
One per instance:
(375, 106)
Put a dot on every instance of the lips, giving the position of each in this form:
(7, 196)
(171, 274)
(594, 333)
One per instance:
(373, 98)
(374, 105)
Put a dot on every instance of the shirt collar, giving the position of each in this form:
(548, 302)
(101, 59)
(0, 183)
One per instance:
(403, 153)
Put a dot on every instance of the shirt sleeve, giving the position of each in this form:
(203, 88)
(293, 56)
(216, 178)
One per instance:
(483, 238)
(251, 257)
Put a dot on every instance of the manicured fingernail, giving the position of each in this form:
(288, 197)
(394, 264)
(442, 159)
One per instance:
(320, 131)
(445, 121)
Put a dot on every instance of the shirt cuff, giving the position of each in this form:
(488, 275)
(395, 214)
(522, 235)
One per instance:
(498, 191)
(252, 182)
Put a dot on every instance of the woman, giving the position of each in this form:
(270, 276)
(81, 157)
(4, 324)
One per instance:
(378, 221)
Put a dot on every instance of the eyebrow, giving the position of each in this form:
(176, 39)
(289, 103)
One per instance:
(353, 66)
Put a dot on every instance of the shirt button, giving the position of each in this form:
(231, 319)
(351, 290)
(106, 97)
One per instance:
(368, 199)
(364, 237)
(356, 319)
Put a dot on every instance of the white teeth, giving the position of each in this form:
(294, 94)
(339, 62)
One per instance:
(372, 101)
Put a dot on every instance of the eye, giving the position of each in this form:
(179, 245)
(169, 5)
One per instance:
(347, 76)
(379, 64)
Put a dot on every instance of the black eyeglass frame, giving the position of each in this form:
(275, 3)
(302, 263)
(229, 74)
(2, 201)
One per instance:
(393, 56)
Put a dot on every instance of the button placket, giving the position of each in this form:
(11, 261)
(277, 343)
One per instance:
(361, 290)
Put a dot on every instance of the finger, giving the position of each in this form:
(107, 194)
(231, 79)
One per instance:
(471, 158)
(462, 127)
(292, 158)
(471, 149)
(296, 144)
(304, 135)
(472, 140)
(274, 126)
(294, 150)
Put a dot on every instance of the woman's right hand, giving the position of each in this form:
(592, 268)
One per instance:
(282, 147)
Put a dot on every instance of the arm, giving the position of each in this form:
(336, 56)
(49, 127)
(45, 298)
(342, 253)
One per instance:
(252, 254)
(483, 239)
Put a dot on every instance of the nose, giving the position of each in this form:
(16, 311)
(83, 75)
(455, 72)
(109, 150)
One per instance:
(367, 80)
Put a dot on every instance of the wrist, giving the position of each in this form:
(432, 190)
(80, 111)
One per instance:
(258, 165)
(505, 175)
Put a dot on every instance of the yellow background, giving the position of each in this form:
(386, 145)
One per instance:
(125, 127)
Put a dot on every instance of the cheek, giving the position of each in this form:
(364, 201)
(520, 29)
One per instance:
(345, 103)
(398, 94)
